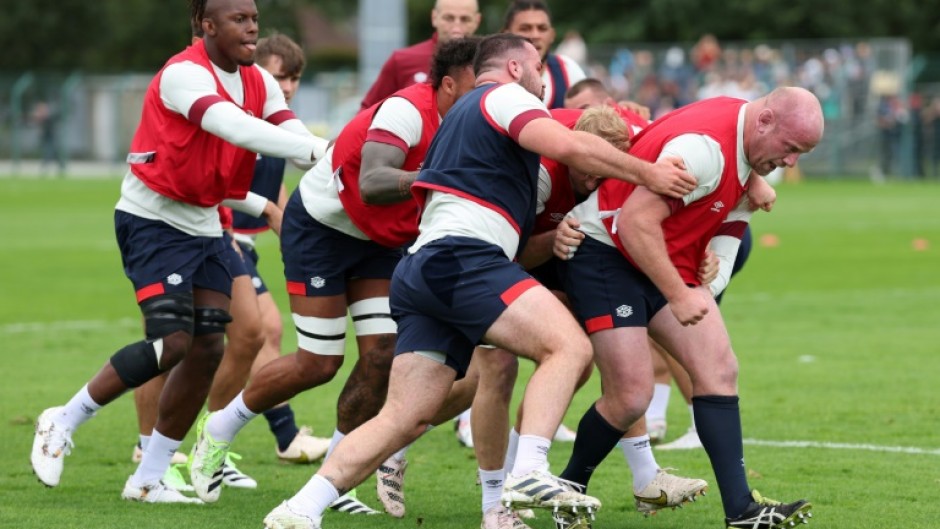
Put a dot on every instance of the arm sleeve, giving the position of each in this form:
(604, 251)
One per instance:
(253, 204)
(190, 91)
(726, 243)
(703, 160)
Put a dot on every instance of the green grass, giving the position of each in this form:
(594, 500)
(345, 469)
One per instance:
(836, 331)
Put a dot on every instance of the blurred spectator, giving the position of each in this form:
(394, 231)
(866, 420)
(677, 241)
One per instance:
(889, 127)
(46, 117)
(932, 119)
(705, 53)
(574, 47)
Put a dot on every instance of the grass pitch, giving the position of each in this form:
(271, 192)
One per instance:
(834, 320)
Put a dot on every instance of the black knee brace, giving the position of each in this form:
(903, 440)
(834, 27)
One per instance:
(211, 321)
(137, 363)
(164, 315)
(168, 313)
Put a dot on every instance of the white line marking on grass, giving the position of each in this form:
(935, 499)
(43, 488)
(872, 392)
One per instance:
(74, 325)
(844, 446)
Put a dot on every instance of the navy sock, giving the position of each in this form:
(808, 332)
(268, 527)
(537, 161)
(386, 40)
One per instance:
(718, 421)
(596, 438)
(281, 422)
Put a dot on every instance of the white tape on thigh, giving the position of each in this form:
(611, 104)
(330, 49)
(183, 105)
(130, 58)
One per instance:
(437, 356)
(372, 316)
(323, 336)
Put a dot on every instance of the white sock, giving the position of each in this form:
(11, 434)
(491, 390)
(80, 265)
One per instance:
(144, 441)
(78, 410)
(511, 450)
(532, 454)
(692, 418)
(659, 404)
(314, 498)
(464, 416)
(639, 456)
(491, 481)
(225, 424)
(337, 437)
(156, 459)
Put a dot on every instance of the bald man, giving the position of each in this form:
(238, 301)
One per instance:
(451, 19)
(636, 272)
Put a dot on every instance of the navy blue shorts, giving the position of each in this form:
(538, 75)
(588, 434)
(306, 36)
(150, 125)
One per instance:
(250, 260)
(160, 259)
(549, 274)
(448, 294)
(234, 261)
(319, 261)
(607, 291)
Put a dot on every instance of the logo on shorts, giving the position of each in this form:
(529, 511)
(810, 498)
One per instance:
(716, 207)
(317, 282)
(624, 311)
(256, 282)
(174, 279)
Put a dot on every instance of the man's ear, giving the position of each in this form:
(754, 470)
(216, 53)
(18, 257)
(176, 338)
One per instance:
(448, 85)
(766, 119)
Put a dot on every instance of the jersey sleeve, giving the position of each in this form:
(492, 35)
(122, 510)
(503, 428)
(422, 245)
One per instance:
(510, 107)
(703, 160)
(398, 123)
(182, 84)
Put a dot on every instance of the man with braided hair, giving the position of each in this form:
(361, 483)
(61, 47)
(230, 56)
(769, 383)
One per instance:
(205, 115)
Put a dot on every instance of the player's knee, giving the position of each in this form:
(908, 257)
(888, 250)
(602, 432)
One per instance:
(245, 337)
(585, 374)
(499, 372)
(206, 353)
(273, 329)
(376, 355)
(314, 369)
(168, 325)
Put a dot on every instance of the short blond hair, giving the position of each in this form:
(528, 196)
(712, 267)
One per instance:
(605, 122)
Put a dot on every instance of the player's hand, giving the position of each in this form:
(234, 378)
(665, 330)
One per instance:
(638, 109)
(274, 215)
(691, 307)
(567, 238)
(760, 194)
(708, 269)
(668, 177)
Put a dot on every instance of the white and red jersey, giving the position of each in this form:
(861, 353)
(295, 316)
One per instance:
(196, 142)
(556, 195)
(330, 191)
(395, 224)
(708, 136)
(165, 142)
